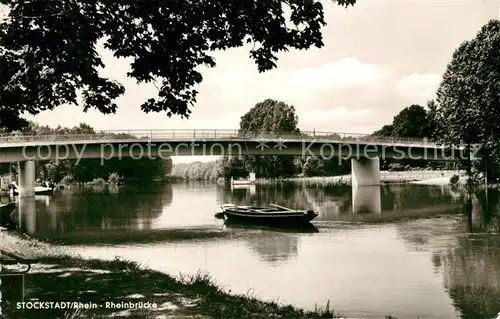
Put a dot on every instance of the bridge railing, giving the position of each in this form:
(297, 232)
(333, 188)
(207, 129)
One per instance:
(204, 134)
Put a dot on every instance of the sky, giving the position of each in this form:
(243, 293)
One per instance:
(379, 57)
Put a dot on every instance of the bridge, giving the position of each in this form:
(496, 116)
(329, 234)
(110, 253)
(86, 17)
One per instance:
(364, 150)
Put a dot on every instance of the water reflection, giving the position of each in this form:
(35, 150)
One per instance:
(104, 213)
(472, 276)
(75, 214)
(251, 189)
(366, 200)
(401, 249)
(275, 249)
(472, 268)
(361, 204)
(465, 251)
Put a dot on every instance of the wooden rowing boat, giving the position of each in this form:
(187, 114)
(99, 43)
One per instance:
(274, 215)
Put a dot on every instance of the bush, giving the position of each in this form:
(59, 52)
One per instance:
(98, 181)
(396, 167)
(114, 178)
(67, 180)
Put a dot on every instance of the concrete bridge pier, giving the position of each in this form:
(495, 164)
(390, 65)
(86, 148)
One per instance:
(26, 172)
(365, 171)
(365, 180)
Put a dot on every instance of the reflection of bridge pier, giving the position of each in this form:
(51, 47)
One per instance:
(26, 207)
(26, 212)
(366, 199)
(26, 204)
(252, 188)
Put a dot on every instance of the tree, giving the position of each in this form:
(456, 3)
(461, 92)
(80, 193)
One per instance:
(317, 166)
(385, 131)
(412, 121)
(468, 97)
(270, 116)
(10, 120)
(432, 118)
(48, 48)
(198, 171)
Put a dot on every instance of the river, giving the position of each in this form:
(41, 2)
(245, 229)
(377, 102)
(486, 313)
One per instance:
(405, 250)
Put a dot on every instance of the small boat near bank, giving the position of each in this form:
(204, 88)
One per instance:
(274, 215)
(244, 182)
(45, 189)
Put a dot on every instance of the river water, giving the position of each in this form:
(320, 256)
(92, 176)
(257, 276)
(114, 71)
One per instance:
(406, 250)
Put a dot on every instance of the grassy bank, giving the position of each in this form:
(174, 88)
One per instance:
(63, 276)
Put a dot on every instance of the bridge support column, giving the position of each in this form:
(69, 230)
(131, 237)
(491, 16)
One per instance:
(365, 171)
(26, 171)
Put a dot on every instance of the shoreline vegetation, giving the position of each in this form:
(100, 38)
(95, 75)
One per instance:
(54, 276)
(421, 177)
(387, 177)
(182, 172)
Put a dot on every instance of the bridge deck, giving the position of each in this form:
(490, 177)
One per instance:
(221, 135)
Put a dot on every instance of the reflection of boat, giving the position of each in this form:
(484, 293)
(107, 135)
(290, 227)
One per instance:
(46, 189)
(305, 228)
(276, 215)
(250, 180)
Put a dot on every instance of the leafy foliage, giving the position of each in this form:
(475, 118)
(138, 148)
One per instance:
(10, 120)
(469, 95)
(468, 98)
(412, 121)
(432, 119)
(198, 171)
(270, 116)
(48, 49)
(385, 131)
(316, 166)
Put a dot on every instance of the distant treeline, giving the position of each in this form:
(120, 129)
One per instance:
(210, 171)
(233, 167)
(67, 171)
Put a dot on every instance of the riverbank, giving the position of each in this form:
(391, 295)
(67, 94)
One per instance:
(61, 276)
(391, 177)
(440, 181)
